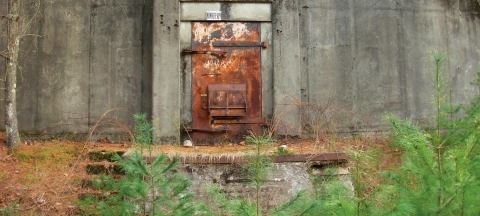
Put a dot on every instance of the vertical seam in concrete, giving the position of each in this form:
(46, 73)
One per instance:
(445, 11)
(89, 64)
(39, 73)
(353, 57)
(142, 70)
(401, 66)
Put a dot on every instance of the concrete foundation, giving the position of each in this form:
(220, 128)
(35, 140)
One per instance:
(284, 181)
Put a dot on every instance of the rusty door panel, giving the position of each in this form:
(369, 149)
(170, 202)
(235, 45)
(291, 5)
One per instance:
(226, 83)
(227, 100)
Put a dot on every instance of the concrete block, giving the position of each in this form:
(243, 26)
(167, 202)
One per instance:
(286, 61)
(166, 71)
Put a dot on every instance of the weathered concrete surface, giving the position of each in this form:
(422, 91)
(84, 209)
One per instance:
(63, 72)
(89, 59)
(283, 182)
(268, 103)
(286, 67)
(374, 56)
(166, 71)
(115, 58)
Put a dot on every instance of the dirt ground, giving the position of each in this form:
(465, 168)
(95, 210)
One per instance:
(44, 177)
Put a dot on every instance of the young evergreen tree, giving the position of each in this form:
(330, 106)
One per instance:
(154, 188)
(258, 167)
(438, 174)
(440, 168)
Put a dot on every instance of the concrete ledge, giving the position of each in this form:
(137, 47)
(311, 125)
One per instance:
(224, 159)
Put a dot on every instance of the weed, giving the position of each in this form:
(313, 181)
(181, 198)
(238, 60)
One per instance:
(31, 178)
(3, 176)
(283, 151)
(22, 157)
(9, 210)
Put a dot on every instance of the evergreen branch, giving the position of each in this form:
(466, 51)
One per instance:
(307, 210)
(473, 146)
(448, 202)
(432, 170)
(421, 153)
(404, 187)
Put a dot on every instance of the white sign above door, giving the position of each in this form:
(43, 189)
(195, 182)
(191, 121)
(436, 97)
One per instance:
(214, 15)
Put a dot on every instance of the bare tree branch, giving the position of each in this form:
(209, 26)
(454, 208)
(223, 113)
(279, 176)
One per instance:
(4, 55)
(27, 25)
(29, 35)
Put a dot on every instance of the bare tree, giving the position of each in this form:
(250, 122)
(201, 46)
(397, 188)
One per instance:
(15, 32)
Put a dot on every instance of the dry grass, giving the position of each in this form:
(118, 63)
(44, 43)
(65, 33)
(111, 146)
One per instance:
(43, 177)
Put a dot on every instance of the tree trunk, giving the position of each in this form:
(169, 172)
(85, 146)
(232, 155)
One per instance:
(11, 125)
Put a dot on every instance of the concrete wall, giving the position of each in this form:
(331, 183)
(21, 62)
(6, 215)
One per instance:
(92, 56)
(372, 56)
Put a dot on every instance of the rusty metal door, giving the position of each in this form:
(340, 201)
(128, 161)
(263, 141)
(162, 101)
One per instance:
(226, 81)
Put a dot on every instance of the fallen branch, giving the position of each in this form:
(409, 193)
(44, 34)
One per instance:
(6, 157)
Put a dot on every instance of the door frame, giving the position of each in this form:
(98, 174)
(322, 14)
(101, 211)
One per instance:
(185, 37)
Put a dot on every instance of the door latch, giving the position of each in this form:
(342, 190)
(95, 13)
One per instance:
(211, 52)
(203, 99)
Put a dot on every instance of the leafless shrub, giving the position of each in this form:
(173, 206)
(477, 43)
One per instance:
(109, 124)
(317, 119)
(320, 121)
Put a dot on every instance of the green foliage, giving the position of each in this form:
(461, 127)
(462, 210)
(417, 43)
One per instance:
(263, 139)
(438, 174)
(300, 204)
(258, 166)
(440, 168)
(283, 151)
(230, 206)
(146, 189)
(9, 210)
(143, 129)
(353, 194)
(154, 188)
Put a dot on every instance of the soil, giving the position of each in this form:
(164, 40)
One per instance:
(44, 177)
